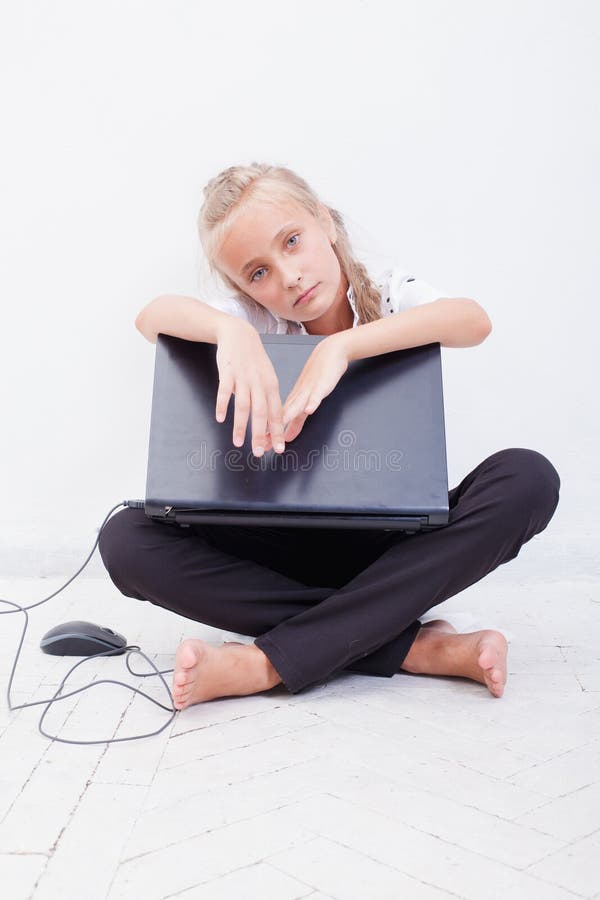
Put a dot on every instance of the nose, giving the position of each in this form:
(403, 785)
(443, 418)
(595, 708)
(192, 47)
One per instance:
(292, 278)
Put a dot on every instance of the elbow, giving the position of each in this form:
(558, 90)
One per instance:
(142, 326)
(483, 323)
(469, 327)
(486, 332)
(486, 328)
(143, 321)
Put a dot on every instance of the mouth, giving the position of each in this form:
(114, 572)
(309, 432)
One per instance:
(307, 294)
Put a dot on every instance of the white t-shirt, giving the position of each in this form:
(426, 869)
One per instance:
(398, 288)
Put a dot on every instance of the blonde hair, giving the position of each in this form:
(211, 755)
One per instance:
(224, 198)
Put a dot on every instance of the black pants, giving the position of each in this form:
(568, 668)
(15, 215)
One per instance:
(323, 600)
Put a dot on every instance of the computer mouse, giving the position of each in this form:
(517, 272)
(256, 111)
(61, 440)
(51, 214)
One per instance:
(82, 639)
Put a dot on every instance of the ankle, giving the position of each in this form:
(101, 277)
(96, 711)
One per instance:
(264, 666)
(426, 651)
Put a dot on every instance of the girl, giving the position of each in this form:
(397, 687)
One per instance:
(319, 601)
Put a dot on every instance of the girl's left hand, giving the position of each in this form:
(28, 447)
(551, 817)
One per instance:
(322, 371)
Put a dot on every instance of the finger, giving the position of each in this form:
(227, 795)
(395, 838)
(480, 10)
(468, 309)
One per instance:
(289, 424)
(294, 432)
(259, 419)
(295, 427)
(223, 396)
(293, 409)
(240, 418)
(291, 433)
(276, 420)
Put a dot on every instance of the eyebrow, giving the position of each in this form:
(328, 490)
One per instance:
(257, 258)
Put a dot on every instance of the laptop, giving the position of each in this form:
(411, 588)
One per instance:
(372, 455)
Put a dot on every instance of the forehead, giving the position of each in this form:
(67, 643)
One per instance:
(255, 227)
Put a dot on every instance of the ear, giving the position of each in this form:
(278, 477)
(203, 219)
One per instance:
(327, 222)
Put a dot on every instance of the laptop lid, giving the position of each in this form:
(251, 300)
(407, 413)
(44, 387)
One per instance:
(373, 454)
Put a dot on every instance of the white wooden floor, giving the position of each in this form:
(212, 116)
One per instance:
(362, 789)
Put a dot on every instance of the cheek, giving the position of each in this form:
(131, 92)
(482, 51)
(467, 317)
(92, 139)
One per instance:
(333, 265)
(320, 254)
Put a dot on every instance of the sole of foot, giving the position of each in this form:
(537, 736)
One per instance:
(189, 659)
(491, 652)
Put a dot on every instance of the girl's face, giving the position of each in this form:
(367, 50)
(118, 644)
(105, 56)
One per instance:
(276, 253)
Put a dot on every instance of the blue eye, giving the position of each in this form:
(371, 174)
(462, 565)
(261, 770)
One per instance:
(287, 242)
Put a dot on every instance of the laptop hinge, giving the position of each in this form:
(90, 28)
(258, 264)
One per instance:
(182, 515)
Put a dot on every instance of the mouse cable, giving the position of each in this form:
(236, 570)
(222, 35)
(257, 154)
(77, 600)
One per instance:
(133, 648)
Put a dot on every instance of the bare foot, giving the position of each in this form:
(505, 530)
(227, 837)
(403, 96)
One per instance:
(203, 672)
(480, 655)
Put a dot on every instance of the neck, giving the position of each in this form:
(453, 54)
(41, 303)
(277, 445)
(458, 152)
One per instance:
(339, 316)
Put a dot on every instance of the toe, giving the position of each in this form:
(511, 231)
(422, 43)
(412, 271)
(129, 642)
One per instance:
(186, 656)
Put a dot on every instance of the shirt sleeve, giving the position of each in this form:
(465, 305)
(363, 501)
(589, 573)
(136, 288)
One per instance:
(402, 290)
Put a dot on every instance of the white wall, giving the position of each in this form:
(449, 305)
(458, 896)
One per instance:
(462, 136)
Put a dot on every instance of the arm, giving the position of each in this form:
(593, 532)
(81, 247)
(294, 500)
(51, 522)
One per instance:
(183, 317)
(245, 370)
(451, 321)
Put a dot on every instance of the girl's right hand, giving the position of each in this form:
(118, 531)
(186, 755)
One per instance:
(246, 371)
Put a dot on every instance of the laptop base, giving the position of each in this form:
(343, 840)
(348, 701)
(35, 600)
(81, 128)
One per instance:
(288, 520)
